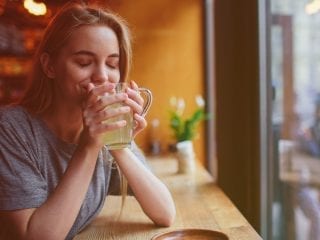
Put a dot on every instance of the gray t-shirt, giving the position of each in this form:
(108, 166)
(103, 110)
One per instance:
(33, 159)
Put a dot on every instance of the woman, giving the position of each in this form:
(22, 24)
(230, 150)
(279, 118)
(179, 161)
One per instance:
(54, 169)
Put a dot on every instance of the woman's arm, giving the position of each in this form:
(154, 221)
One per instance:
(153, 196)
(54, 219)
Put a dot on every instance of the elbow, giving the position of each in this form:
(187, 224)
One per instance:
(165, 222)
(166, 219)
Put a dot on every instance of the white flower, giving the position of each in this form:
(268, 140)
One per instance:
(200, 101)
(180, 106)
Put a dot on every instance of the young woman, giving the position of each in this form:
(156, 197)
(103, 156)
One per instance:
(55, 171)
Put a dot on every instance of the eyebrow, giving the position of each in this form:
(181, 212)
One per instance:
(84, 52)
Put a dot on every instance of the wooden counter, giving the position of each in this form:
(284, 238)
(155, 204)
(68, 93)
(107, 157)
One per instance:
(199, 204)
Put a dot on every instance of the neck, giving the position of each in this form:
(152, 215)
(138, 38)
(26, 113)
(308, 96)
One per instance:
(65, 123)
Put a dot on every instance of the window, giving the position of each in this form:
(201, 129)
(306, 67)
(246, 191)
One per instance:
(293, 55)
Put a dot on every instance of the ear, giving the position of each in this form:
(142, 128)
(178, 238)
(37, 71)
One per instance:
(47, 68)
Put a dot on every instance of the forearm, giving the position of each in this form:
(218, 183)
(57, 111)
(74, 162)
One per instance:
(54, 219)
(153, 196)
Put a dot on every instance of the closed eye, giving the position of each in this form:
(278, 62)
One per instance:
(84, 64)
(83, 58)
(114, 64)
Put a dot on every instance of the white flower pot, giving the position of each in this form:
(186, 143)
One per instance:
(186, 157)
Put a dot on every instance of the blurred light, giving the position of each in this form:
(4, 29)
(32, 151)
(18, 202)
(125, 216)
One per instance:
(2, 6)
(312, 7)
(35, 8)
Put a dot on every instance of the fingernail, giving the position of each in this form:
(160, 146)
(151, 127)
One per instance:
(133, 83)
(123, 123)
(124, 95)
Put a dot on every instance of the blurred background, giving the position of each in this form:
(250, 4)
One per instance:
(167, 47)
(255, 62)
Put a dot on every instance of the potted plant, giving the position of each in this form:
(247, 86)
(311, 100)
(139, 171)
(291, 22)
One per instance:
(184, 131)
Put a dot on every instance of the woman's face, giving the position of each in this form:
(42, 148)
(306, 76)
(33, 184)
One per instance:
(91, 54)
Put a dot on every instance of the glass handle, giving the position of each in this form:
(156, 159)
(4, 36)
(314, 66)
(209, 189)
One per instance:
(148, 102)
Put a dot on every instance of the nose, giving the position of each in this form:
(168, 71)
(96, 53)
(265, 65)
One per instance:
(100, 75)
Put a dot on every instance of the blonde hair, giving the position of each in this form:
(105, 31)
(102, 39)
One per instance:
(39, 95)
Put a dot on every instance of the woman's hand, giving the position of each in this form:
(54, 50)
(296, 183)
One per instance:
(136, 102)
(96, 112)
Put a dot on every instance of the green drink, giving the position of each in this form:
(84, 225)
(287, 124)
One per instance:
(121, 137)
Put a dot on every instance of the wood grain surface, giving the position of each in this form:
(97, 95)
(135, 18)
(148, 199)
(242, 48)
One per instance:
(200, 204)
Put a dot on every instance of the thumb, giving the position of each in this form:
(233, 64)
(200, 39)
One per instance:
(89, 87)
(85, 90)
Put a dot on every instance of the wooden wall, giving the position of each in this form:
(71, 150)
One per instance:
(168, 57)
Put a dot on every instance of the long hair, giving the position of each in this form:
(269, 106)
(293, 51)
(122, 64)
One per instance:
(39, 95)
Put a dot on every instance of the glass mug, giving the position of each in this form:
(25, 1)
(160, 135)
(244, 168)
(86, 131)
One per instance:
(122, 137)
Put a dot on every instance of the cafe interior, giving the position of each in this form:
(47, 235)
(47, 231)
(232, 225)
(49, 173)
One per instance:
(252, 67)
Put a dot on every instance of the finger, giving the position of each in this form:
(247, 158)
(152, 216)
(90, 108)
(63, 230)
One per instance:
(140, 119)
(108, 100)
(141, 124)
(110, 113)
(134, 85)
(95, 93)
(104, 88)
(136, 107)
(101, 128)
(84, 88)
(84, 91)
(99, 113)
(88, 89)
(135, 95)
(98, 103)
(91, 100)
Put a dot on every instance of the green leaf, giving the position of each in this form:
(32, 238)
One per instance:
(185, 129)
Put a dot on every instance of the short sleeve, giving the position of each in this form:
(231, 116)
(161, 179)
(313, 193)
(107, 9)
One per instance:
(21, 183)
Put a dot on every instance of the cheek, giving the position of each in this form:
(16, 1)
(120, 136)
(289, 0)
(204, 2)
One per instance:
(68, 79)
(114, 76)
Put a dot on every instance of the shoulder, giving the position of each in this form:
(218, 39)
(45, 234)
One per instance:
(15, 121)
(11, 114)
